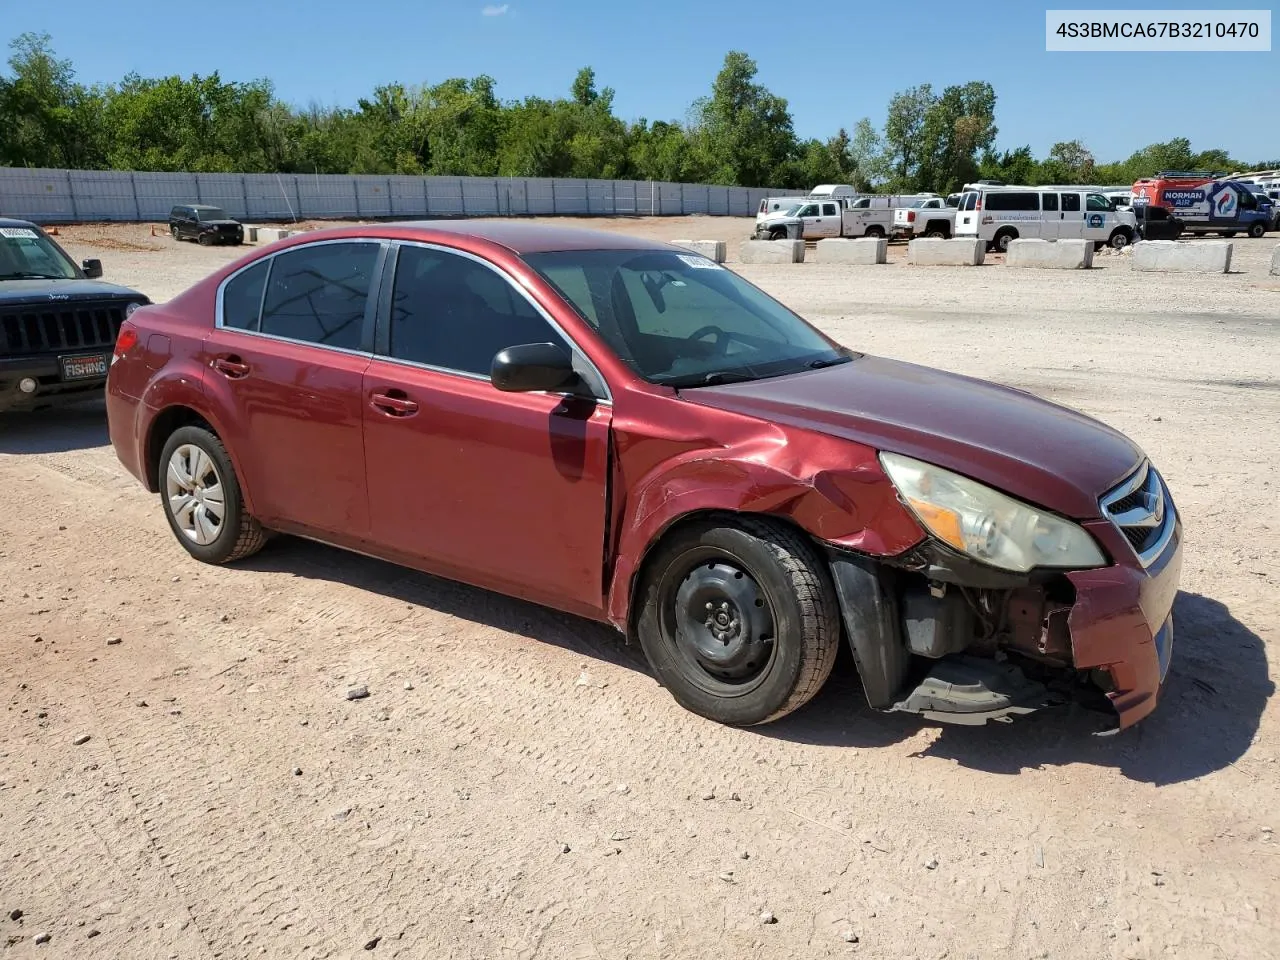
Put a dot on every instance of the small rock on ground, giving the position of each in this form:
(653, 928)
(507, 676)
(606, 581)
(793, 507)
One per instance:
(81, 740)
(931, 863)
(297, 771)
(850, 937)
(43, 938)
(767, 917)
(15, 914)
(371, 943)
(113, 641)
(357, 693)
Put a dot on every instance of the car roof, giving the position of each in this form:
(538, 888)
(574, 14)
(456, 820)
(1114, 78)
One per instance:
(522, 237)
(11, 222)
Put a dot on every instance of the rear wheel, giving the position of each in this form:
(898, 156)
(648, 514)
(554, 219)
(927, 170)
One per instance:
(202, 501)
(174, 230)
(1257, 230)
(937, 233)
(738, 619)
(1002, 240)
(876, 231)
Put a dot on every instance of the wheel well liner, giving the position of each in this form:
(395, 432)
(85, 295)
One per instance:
(169, 420)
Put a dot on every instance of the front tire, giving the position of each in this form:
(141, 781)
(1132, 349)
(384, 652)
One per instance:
(202, 501)
(1257, 230)
(739, 619)
(1119, 239)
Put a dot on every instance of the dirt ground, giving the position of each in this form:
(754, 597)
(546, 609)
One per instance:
(517, 785)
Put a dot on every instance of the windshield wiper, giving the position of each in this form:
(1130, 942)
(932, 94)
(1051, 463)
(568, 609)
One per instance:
(829, 361)
(30, 276)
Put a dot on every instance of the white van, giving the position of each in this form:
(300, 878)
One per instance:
(775, 205)
(1000, 214)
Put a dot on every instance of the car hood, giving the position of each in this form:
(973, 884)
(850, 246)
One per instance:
(1037, 451)
(18, 292)
(220, 223)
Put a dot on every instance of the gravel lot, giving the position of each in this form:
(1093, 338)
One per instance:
(516, 785)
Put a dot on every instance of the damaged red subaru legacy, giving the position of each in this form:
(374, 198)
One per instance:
(628, 431)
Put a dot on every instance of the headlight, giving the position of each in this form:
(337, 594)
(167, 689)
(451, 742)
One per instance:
(130, 307)
(986, 524)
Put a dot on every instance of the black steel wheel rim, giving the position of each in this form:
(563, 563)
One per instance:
(719, 620)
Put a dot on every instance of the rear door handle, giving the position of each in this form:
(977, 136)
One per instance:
(395, 406)
(232, 367)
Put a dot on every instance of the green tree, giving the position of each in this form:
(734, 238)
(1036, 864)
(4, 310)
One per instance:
(904, 129)
(743, 133)
(47, 119)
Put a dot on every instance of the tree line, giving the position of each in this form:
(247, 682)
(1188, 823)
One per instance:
(739, 133)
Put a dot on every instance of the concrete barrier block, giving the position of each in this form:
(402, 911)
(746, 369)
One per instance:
(861, 250)
(771, 251)
(272, 234)
(1195, 256)
(947, 253)
(1050, 254)
(711, 249)
(250, 234)
(1275, 261)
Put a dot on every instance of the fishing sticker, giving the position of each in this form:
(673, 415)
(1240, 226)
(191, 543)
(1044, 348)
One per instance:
(16, 232)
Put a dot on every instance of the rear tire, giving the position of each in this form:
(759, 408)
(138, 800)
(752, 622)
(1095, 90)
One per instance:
(174, 231)
(1002, 240)
(876, 231)
(738, 619)
(1257, 230)
(201, 498)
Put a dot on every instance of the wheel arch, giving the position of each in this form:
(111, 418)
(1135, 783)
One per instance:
(162, 426)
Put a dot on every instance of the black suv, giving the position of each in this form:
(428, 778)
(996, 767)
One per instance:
(58, 321)
(204, 224)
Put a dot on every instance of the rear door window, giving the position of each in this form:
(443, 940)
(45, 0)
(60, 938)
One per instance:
(1049, 202)
(318, 293)
(242, 297)
(1013, 201)
(1071, 202)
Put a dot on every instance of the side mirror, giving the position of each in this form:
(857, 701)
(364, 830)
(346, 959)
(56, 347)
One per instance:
(530, 367)
(92, 268)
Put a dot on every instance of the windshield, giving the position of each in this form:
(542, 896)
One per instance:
(211, 213)
(682, 319)
(27, 254)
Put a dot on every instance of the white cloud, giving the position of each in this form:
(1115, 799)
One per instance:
(495, 10)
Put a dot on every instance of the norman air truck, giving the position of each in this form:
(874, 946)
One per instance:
(1205, 203)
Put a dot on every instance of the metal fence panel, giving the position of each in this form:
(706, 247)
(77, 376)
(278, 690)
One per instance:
(326, 195)
(408, 196)
(36, 194)
(481, 196)
(104, 195)
(444, 196)
(60, 195)
(373, 197)
(271, 196)
(158, 192)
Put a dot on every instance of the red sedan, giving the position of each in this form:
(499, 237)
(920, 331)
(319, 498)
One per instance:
(628, 431)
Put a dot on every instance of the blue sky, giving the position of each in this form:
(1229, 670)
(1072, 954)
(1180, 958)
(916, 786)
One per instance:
(833, 62)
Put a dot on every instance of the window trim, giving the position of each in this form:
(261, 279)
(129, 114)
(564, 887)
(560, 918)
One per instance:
(381, 347)
(372, 299)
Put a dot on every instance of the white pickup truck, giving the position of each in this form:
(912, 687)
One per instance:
(864, 216)
(931, 217)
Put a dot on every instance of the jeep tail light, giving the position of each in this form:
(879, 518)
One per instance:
(126, 340)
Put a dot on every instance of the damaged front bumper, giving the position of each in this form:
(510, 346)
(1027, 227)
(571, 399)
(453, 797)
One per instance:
(923, 644)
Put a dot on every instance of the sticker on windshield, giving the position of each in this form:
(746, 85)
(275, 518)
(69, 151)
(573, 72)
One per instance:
(15, 232)
(700, 263)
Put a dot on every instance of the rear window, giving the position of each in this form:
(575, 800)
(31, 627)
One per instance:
(1012, 201)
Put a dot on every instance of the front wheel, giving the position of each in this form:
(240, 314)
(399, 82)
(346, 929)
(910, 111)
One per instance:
(739, 620)
(1257, 230)
(204, 239)
(1119, 239)
(202, 501)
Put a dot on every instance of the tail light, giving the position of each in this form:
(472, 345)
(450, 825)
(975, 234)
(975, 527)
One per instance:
(911, 216)
(126, 340)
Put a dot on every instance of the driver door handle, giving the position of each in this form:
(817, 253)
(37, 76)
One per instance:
(231, 366)
(395, 406)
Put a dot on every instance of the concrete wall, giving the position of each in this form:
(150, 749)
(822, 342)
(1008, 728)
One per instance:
(864, 250)
(950, 253)
(60, 196)
(1050, 254)
(1194, 256)
(771, 251)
